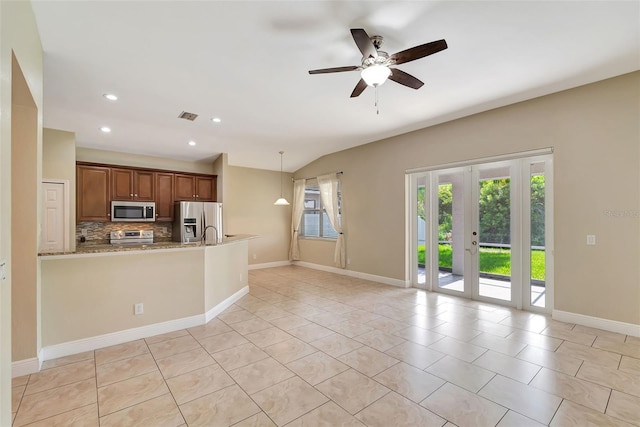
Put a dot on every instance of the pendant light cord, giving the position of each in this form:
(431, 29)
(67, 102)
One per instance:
(281, 153)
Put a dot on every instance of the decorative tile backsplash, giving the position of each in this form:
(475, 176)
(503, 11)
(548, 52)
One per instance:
(97, 233)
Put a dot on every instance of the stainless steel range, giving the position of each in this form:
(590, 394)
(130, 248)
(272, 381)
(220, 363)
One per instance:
(141, 237)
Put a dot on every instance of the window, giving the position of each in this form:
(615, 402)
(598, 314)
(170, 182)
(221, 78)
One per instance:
(315, 222)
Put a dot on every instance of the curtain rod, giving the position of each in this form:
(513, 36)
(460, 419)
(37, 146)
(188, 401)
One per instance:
(315, 177)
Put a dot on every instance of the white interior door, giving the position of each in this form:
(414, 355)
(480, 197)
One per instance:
(53, 231)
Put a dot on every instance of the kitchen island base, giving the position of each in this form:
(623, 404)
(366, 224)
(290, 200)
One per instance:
(88, 300)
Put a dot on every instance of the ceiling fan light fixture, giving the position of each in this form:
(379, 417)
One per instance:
(376, 74)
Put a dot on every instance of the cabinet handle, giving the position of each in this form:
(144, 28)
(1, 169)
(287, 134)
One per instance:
(136, 195)
(131, 195)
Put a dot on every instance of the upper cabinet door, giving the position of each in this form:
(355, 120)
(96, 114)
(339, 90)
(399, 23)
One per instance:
(144, 186)
(93, 191)
(185, 187)
(205, 189)
(122, 184)
(164, 196)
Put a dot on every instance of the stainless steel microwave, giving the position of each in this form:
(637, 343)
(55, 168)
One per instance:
(133, 211)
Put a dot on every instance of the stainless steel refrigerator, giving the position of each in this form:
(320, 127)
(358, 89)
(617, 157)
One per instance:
(191, 219)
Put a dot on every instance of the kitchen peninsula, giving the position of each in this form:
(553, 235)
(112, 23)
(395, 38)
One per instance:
(88, 296)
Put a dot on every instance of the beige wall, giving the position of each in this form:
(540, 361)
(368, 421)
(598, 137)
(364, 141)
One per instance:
(24, 211)
(59, 163)
(220, 166)
(594, 131)
(138, 160)
(249, 209)
(84, 297)
(18, 36)
(225, 272)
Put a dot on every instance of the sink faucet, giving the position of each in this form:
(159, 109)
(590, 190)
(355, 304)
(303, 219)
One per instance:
(203, 238)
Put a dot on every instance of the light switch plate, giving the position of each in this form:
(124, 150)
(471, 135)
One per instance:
(591, 239)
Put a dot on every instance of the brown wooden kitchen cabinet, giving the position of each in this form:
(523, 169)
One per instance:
(99, 184)
(93, 193)
(185, 186)
(195, 187)
(164, 196)
(130, 184)
(205, 189)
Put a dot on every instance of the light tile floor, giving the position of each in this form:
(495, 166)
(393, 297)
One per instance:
(310, 348)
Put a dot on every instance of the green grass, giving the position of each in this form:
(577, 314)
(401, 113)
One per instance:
(492, 260)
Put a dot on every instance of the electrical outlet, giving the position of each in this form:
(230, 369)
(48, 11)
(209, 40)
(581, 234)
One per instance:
(164, 230)
(241, 277)
(255, 256)
(349, 261)
(83, 232)
(591, 239)
(138, 308)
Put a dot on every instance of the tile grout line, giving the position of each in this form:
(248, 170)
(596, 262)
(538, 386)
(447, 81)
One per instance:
(165, 379)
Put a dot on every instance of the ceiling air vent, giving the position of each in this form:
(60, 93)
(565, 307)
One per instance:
(187, 116)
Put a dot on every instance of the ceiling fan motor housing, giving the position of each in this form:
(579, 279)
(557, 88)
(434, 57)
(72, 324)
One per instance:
(377, 41)
(381, 59)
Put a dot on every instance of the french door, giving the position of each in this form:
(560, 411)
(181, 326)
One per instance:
(483, 231)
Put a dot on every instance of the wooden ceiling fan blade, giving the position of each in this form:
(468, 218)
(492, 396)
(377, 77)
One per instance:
(334, 70)
(364, 43)
(418, 52)
(360, 87)
(405, 79)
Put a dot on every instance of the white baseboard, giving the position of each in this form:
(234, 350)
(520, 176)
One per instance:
(269, 265)
(25, 367)
(225, 304)
(597, 322)
(119, 337)
(357, 274)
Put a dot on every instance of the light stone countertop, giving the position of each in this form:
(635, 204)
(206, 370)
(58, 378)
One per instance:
(85, 249)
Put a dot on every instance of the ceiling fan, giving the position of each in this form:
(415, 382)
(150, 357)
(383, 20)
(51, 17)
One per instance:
(376, 64)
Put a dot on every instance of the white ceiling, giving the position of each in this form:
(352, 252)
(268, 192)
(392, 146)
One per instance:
(247, 61)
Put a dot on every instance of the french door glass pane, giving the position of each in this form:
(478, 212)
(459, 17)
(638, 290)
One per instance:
(538, 273)
(421, 228)
(494, 233)
(450, 232)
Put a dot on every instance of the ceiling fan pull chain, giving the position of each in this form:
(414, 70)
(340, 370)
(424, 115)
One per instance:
(376, 102)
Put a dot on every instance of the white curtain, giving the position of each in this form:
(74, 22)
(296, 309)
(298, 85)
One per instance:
(296, 216)
(328, 185)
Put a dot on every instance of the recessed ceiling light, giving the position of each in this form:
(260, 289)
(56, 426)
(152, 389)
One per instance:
(192, 143)
(105, 129)
(216, 120)
(110, 96)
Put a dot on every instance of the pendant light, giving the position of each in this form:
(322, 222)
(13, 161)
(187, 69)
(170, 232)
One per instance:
(281, 201)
